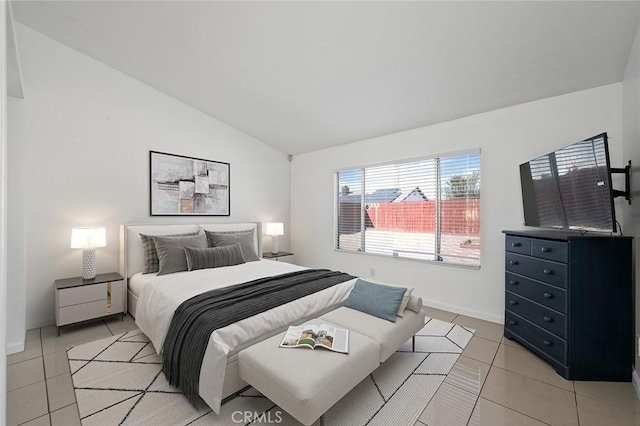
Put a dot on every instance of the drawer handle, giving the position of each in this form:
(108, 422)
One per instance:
(545, 249)
(513, 302)
(548, 319)
(548, 272)
(512, 322)
(548, 343)
(513, 282)
(516, 244)
(513, 262)
(548, 296)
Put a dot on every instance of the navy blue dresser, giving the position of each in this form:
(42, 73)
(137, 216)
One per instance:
(568, 298)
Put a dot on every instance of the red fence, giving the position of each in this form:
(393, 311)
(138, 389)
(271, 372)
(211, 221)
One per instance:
(459, 216)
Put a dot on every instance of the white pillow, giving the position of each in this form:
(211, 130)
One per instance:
(405, 301)
(415, 304)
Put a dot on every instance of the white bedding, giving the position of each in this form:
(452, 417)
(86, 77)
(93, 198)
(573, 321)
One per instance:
(157, 303)
(138, 281)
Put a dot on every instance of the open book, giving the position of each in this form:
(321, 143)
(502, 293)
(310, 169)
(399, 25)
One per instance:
(312, 336)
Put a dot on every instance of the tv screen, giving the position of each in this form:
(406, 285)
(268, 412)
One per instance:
(570, 188)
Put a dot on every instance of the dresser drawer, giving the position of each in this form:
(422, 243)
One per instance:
(518, 244)
(546, 318)
(82, 294)
(550, 250)
(542, 270)
(81, 312)
(553, 346)
(545, 294)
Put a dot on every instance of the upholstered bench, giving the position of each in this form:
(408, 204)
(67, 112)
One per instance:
(304, 382)
(389, 335)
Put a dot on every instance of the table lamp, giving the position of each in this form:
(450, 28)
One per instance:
(88, 239)
(275, 229)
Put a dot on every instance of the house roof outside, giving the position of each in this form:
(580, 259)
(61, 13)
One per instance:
(415, 195)
(385, 195)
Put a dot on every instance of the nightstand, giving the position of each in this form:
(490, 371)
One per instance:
(79, 300)
(276, 256)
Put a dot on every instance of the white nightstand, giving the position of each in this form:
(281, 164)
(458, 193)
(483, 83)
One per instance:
(79, 300)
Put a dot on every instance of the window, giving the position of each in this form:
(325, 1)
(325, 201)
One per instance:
(426, 209)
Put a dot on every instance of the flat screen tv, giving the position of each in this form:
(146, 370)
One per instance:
(570, 188)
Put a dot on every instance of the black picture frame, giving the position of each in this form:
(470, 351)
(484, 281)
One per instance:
(188, 186)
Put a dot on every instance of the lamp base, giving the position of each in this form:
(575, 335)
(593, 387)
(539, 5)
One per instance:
(88, 264)
(274, 244)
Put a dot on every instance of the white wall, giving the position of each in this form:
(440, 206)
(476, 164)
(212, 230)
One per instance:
(16, 291)
(86, 131)
(631, 151)
(507, 137)
(3, 213)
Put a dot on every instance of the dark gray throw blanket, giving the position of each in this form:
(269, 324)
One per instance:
(196, 318)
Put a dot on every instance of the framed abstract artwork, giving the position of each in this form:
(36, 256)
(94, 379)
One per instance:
(187, 186)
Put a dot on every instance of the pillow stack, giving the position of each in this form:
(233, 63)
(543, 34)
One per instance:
(166, 254)
(171, 252)
(151, 261)
(226, 238)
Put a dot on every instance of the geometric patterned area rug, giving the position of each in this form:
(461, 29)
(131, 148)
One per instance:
(118, 381)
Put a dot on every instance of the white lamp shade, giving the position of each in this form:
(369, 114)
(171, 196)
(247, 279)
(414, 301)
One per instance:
(89, 237)
(275, 228)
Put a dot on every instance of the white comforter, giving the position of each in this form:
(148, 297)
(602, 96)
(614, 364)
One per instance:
(160, 298)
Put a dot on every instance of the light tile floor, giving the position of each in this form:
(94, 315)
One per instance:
(495, 382)
(39, 387)
(498, 382)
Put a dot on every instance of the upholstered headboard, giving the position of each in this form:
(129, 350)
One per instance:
(131, 252)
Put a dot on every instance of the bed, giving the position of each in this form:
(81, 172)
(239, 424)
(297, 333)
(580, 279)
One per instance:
(152, 300)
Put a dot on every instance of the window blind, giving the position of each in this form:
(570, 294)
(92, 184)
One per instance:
(426, 209)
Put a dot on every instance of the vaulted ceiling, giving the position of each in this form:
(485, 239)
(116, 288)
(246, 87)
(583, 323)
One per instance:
(303, 76)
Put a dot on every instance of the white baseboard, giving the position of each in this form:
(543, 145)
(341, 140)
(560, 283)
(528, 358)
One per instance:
(43, 323)
(636, 383)
(14, 348)
(468, 312)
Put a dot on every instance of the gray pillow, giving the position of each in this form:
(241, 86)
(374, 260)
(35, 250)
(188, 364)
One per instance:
(226, 238)
(171, 252)
(381, 301)
(213, 257)
(151, 262)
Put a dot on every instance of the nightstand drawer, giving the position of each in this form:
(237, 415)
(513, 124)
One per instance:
(518, 244)
(550, 250)
(545, 294)
(543, 317)
(76, 295)
(542, 270)
(82, 312)
(551, 345)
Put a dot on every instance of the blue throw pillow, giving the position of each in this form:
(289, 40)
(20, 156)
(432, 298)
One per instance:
(378, 300)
